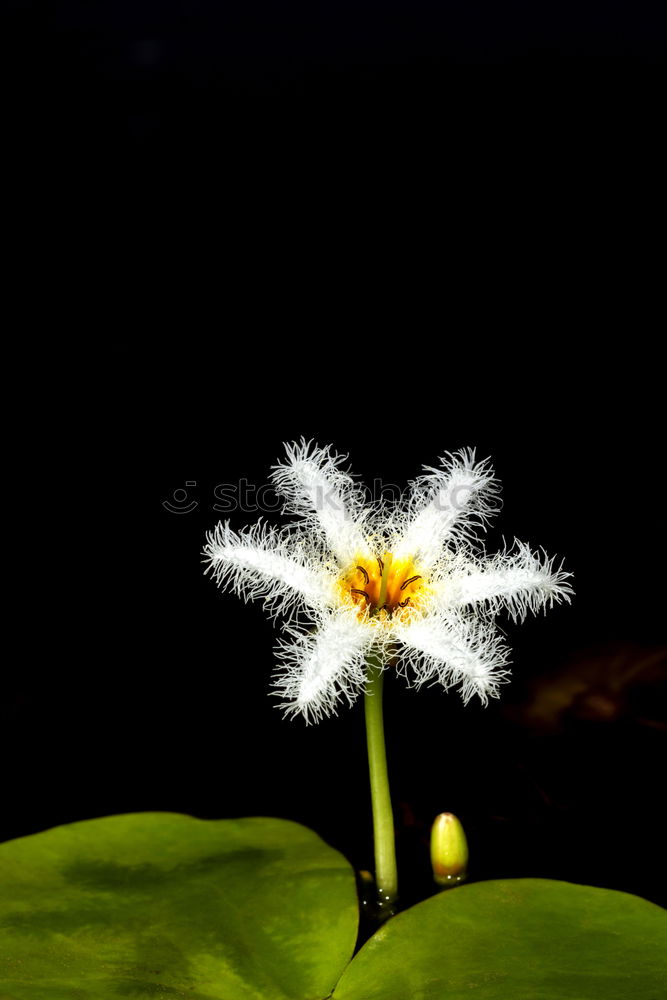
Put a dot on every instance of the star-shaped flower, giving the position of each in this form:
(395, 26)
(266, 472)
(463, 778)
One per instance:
(406, 583)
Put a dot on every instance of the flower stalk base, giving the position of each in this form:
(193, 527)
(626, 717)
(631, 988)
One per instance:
(383, 820)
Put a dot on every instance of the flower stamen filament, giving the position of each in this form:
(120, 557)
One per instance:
(383, 586)
(362, 593)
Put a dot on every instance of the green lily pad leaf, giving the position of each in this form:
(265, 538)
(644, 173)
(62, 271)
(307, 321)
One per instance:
(523, 939)
(159, 905)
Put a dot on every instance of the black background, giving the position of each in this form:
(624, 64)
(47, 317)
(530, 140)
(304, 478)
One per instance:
(268, 224)
(150, 690)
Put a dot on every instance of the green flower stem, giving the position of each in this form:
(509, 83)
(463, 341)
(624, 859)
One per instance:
(383, 819)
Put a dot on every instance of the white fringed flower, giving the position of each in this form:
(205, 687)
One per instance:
(407, 583)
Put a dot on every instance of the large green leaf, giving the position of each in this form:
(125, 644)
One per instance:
(524, 939)
(158, 905)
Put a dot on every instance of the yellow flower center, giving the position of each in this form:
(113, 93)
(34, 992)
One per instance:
(382, 584)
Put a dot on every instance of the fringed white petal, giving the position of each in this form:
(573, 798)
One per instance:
(520, 581)
(444, 632)
(321, 668)
(263, 562)
(447, 506)
(314, 486)
(454, 650)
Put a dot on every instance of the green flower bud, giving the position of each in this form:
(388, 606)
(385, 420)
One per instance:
(449, 850)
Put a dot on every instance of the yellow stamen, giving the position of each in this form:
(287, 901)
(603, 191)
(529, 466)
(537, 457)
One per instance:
(383, 584)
